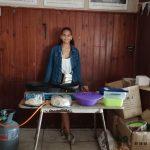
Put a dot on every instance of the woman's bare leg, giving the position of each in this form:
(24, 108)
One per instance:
(66, 126)
(65, 122)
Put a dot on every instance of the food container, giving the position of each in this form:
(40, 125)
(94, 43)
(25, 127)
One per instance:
(137, 125)
(87, 98)
(34, 98)
(114, 99)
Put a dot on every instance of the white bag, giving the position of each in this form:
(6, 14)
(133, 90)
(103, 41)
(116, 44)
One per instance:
(61, 100)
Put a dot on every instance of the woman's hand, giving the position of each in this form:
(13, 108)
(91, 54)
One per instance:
(84, 88)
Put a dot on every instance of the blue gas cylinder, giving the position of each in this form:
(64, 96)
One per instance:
(9, 133)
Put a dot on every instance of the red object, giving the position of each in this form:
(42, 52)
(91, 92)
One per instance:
(3, 138)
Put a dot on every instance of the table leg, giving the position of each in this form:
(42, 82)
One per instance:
(38, 130)
(105, 130)
(95, 125)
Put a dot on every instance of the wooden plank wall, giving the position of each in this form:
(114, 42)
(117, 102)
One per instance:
(102, 40)
(143, 54)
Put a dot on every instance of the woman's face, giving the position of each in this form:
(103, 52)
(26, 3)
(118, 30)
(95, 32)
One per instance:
(66, 36)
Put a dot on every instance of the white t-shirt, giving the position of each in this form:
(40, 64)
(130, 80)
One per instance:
(66, 70)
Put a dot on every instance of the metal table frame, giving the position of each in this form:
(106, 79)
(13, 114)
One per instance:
(75, 108)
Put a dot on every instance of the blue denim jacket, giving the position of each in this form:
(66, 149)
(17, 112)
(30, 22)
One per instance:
(54, 74)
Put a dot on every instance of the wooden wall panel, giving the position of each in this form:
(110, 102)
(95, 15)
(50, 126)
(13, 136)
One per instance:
(143, 55)
(26, 36)
(96, 48)
(109, 44)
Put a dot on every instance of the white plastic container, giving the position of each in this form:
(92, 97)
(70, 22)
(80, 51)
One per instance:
(114, 99)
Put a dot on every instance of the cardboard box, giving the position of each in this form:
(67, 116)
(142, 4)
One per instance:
(137, 140)
(115, 84)
(132, 104)
(141, 141)
(125, 82)
(146, 115)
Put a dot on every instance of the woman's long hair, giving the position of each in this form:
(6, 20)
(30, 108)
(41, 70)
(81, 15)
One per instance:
(69, 29)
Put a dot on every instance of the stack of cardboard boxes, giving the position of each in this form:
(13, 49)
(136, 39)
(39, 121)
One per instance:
(117, 120)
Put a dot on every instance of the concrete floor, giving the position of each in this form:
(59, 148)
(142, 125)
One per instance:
(50, 139)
